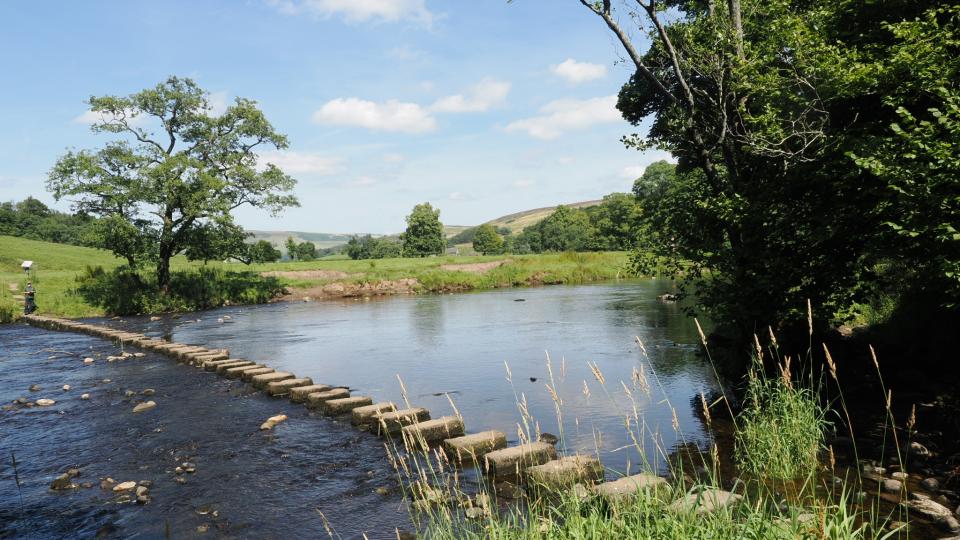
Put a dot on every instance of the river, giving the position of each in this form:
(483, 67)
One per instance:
(485, 351)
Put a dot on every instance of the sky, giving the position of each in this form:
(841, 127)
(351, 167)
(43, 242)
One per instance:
(480, 107)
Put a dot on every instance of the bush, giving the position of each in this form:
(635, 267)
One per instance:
(125, 292)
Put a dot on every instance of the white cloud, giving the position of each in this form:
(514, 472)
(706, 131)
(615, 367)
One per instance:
(393, 157)
(218, 103)
(92, 117)
(632, 172)
(456, 196)
(301, 162)
(361, 181)
(565, 115)
(524, 183)
(578, 72)
(392, 115)
(481, 97)
(359, 10)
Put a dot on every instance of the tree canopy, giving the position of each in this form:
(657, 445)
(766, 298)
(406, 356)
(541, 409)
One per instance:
(424, 234)
(174, 174)
(486, 240)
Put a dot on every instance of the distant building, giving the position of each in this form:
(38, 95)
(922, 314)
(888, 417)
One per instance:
(452, 251)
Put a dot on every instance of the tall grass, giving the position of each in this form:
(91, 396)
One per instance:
(780, 431)
(779, 435)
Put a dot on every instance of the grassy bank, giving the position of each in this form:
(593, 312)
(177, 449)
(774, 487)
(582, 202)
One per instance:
(58, 268)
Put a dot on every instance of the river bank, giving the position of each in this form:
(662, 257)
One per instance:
(68, 284)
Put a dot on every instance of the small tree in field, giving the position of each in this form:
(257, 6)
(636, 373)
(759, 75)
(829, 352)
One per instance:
(177, 172)
(263, 251)
(486, 240)
(424, 234)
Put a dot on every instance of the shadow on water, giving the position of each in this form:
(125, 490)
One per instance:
(269, 485)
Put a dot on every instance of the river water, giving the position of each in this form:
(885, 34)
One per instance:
(483, 351)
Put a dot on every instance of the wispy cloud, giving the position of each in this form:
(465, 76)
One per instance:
(301, 162)
(392, 115)
(479, 98)
(359, 10)
(361, 182)
(563, 115)
(524, 183)
(578, 72)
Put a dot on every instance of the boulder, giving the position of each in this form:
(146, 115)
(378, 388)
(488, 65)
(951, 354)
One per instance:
(629, 486)
(937, 512)
(930, 484)
(142, 407)
(706, 501)
(125, 486)
(273, 421)
(891, 486)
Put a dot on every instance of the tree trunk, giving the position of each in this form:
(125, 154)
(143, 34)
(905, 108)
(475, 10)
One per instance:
(163, 269)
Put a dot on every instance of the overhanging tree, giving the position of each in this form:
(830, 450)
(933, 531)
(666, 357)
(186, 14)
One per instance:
(176, 170)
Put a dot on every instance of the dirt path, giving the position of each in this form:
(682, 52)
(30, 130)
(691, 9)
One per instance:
(348, 290)
(310, 274)
(475, 268)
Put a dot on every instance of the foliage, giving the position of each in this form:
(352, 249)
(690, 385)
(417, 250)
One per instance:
(262, 251)
(217, 241)
(466, 236)
(765, 105)
(175, 169)
(306, 251)
(487, 241)
(616, 222)
(918, 159)
(368, 247)
(30, 218)
(424, 234)
(123, 291)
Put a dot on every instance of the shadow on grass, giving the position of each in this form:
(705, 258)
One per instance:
(126, 292)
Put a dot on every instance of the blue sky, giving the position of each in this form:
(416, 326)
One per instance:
(480, 107)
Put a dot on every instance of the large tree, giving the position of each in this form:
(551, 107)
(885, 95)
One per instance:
(176, 170)
(762, 102)
(424, 234)
(486, 240)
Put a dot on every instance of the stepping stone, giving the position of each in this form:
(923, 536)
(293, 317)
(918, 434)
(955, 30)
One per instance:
(510, 461)
(362, 416)
(241, 363)
(315, 400)
(236, 372)
(336, 407)
(626, 488)
(251, 373)
(706, 501)
(261, 381)
(300, 393)
(281, 388)
(432, 432)
(200, 359)
(392, 422)
(212, 364)
(566, 471)
(470, 448)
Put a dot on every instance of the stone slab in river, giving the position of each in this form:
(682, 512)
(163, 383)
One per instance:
(261, 381)
(393, 422)
(566, 471)
(240, 363)
(236, 372)
(250, 374)
(315, 400)
(336, 407)
(623, 489)
(511, 461)
(300, 393)
(280, 388)
(212, 364)
(707, 500)
(434, 431)
(365, 415)
(470, 448)
(200, 359)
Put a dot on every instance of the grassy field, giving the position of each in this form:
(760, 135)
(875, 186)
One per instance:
(57, 266)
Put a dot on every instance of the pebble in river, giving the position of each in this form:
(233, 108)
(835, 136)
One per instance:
(44, 402)
(85, 396)
(87, 361)
(144, 407)
(66, 387)
(34, 387)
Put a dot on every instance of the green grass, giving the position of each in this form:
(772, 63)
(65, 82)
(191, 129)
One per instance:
(781, 429)
(57, 267)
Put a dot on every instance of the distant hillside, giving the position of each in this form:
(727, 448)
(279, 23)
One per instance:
(519, 221)
(516, 222)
